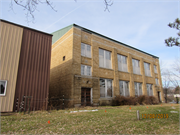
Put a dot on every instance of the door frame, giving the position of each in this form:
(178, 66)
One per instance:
(91, 93)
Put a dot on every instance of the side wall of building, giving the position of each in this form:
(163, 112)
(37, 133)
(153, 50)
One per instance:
(10, 46)
(61, 78)
(34, 69)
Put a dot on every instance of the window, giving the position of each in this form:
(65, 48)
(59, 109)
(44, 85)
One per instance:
(85, 70)
(122, 63)
(149, 89)
(85, 50)
(105, 88)
(63, 58)
(147, 69)
(104, 58)
(136, 66)
(155, 69)
(3, 84)
(138, 89)
(124, 88)
(157, 83)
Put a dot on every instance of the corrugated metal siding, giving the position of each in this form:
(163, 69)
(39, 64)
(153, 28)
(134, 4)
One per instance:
(10, 45)
(34, 69)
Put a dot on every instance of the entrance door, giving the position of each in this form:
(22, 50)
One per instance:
(85, 96)
(159, 96)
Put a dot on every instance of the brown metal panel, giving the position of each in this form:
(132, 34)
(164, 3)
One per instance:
(34, 69)
(10, 45)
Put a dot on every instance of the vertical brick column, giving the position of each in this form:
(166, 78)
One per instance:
(130, 69)
(95, 69)
(76, 67)
(160, 81)
(116, 75)
(77, 91)
(144, 89)
(154, 81)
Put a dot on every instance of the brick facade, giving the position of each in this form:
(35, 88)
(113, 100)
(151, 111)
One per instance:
(66, 78)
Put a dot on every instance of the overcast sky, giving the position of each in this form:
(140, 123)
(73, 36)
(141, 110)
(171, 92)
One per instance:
(139, 23)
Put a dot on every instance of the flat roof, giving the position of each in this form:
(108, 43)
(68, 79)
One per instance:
(25, 27)
(89, 31)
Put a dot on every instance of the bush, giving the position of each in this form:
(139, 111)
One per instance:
(121, 100)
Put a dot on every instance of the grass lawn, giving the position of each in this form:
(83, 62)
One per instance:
(116, 120)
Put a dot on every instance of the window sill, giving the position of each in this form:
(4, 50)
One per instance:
(107, 68)
(137, 74)
(106, 98)
(149, 76)
(86, 57)
(86, 75)
(123, 71)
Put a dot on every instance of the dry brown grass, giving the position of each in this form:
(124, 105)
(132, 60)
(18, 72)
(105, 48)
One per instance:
(116, 120)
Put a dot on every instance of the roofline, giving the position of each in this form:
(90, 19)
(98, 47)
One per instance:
(89, 31)
(62, 28)
(25, 27)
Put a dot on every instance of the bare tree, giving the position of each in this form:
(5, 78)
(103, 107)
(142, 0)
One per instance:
(30, 6)
(174, 41)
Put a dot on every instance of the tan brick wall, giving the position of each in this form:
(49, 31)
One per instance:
(61, 78)
(72, 48)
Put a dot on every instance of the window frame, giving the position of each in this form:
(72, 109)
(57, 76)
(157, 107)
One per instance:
(120, 64)
(85, 70)
(157, 81)
(136, 66)
(106, 88)
(147, 71)
(155, 69)
(148, 91)
(85, 47)
(138, 90)
(4, 88)
(104, 58)
(124, 93)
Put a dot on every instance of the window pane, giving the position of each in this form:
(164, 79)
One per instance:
(121, 88)
(3, 85)
(136, 66)
(126, 88)
(140, 89)
(82, 49)
(102, 87)
(82, 70)
(108, 59)
(88, 51)
(136, 89)
(109, 88)
(88, 70)
(101, 58)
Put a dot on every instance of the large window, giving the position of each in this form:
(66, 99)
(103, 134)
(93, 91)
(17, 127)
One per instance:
(122, 63)
(155, 69)
(136, 66)
(147, 69)
(157, 82)
(104, 58)
(85, 70)
(124, 88)
(3, 84)
(85, 50)
(138, 89)
(105, 88)
(149, 89)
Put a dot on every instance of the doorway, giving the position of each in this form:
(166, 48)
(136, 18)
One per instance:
(85, 96)
(159, 96)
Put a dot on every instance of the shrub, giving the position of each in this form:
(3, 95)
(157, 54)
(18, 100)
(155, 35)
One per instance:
(121, 100)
